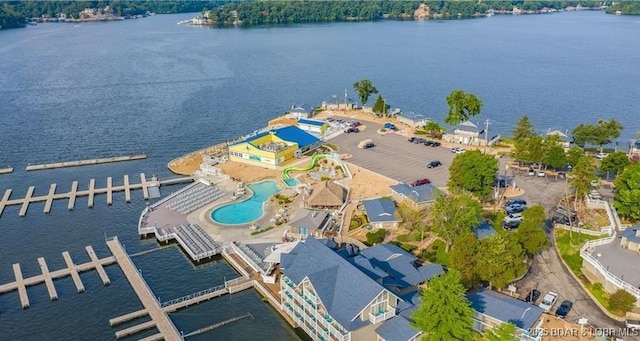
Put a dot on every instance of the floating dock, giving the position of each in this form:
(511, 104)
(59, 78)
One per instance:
(91, 193)
(86, 162)
(6, 170)
(48, 276)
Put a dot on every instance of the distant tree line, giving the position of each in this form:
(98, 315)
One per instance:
(625, 7)
(15, 13)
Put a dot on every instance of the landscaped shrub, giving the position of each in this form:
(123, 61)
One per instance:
(357, 221)
(622, 301)
(325, 178)
(404, 238)
(262, 230)
(376, 237)
(407, 247)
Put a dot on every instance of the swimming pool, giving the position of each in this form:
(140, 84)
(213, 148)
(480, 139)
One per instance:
(249, 210)
(291, 182)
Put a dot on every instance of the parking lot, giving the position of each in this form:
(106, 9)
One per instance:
(395, 157)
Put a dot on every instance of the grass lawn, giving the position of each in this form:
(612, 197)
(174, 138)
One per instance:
(436, 253)
(569, 246)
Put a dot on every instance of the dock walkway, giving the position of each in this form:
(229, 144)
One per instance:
(91, 193)
(158, 317)
(86, 162)
(48, 276)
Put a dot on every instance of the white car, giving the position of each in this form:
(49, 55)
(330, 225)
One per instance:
(548, 301)
(601, 155)
(541, 174)
(460, 151)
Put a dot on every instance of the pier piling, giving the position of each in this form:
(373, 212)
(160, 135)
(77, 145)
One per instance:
(92, 191)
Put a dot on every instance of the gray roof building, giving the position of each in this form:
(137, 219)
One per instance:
(419, 194)
(632, 235)
(397, 329)
(484, 230)
(380, 210)
(343, 290)
(466, 126)
(506, 309)
(310, 219)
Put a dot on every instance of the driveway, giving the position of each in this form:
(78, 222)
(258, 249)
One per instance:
(395, 157)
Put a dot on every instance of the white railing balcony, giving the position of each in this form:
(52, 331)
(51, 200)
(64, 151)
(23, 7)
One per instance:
(381, 316)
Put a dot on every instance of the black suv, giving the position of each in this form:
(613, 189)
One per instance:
(434, 164)
(432, 143)
(532, 296)
(368, 145)
(418, 140)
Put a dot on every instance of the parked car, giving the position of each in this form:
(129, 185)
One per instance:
(564, 220)
(434, 164)
(356, 124)
(532, 296)
(455, 149)
(352, 130)
(601, 155)
(420, 182)
(329, 119)
(418, 140)
(511, 202)
(632, 324)
(460, 151)
(389, 126)
(548, 301)
(567, 212)
(432, 143)
(513, 217)
(511, 224)
(531, 171)
(564, 308)
(412, 138)
(368, 145)
(542, 174)
(515, 209)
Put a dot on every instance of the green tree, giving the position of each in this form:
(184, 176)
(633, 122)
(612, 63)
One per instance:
(530, 233)
(622, 301)
(583, 173)
(598, 134)
(444, 313)
(574, 154)
(499, 260)
(524, 129)
(412, 218)
(434, 128)
(462, 106)
(364, 88)
(504, 332)
(450, 217)
(627, 196)
(614, 163)
(463, 258)
(475, 172)
(555, 157)
(379, 106)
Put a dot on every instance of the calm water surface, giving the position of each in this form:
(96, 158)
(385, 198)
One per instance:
(82, 91)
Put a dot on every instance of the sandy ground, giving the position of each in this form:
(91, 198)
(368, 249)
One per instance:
(556, 329)
(186, 165)
(367, 184)
(248, 173)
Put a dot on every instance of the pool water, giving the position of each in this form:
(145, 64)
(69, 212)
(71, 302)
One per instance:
(249, 210)
(291, 182)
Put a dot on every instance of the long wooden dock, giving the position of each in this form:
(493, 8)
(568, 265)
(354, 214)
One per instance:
(86, 162)
(158, 317)
(48, 276)
(91, 192)
(6, 170)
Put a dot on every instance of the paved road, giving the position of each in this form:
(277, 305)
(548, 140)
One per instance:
(394, 156)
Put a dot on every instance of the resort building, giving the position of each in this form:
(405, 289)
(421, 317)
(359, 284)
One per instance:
(417, 197)
(344, 295)
(298, 113)
(326, 195)
(313, 127)
(282, 121)
(631, 239)
(492, 309)
(381, 213)
(466, 133)
(563, 138)
(309, 222)
(274, 147)
(412, 119)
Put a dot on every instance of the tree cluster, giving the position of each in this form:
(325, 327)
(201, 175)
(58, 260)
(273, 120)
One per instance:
(451, 217)
(627, 196)
(462, 106)
(597, 134)
(532, 148)
(474, 172)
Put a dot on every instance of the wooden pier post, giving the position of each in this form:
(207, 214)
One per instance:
(27, 200)
(127, 189)
(52, 192)
(109, 191)
(72, 195)
(22, 290)
(92, 191)
(5, 198)
(73, 271)
(53, 294)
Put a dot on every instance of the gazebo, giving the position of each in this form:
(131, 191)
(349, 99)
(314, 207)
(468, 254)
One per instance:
(327, 195)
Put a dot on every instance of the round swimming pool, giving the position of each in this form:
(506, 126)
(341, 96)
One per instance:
(249, 210)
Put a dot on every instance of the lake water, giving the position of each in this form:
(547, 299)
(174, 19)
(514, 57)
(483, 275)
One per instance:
(72, 92)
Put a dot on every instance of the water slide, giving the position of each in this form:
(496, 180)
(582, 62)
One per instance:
(314, 159)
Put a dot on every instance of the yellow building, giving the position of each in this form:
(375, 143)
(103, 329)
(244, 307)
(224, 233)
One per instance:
(272, 148)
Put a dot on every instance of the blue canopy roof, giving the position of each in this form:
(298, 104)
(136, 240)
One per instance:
(291, 134)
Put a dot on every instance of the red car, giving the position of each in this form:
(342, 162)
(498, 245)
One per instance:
(420, 182)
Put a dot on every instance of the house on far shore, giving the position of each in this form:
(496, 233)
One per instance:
(298, 113)
(272, 148)
(563, 138)
(417, 197)
(466, 133)
(493, 308)
(412, 119)
(381, 213)
(634, 149)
